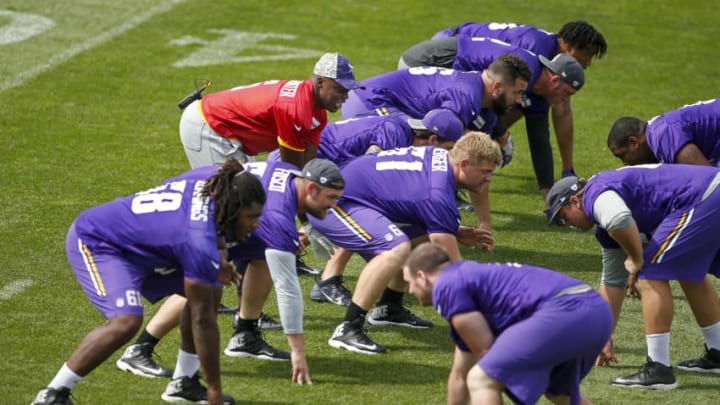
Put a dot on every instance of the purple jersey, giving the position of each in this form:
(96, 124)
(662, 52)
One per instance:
(167, 227)
(539, 42)
(410, 186)
(343, 141)
(698, 123)
(651, 192)
(418, 90)
(475, 53)
(276, 228)
(519, 302)
(505, 293)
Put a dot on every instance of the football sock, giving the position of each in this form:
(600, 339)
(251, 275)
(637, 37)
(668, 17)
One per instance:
(146, 337)
(659, 347)
(244, 325)
(391, 297)
(355, 314)
(65, 378)
(712, 336)
(187, 364)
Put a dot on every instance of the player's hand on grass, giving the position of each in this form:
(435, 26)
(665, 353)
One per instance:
(606, 356)
(476, 238)
(300, 369)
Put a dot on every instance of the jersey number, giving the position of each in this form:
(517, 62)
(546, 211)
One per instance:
(167, 197)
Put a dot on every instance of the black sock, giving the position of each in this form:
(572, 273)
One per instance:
(355, 314)
(245, 325)
(391, 297)
(146, 337)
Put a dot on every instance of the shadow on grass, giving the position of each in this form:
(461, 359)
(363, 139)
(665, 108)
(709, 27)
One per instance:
(352, 368)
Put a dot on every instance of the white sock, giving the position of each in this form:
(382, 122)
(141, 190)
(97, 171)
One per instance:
(712, 336)
(187, 365)
(658, 346)
(65, 378)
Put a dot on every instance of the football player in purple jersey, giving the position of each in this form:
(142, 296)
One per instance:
(391, 198)
(271, 251)
(553, 82)
(290, 192)
(475, 97)
(165, 240)
(689, 135)
(344, 141)
(578, 39)
(678, 206)
(493, 308)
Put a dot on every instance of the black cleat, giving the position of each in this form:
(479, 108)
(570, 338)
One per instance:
(353, 338)
(138, 359)
(331, 290)
(708, 363)
(652, 376)
(304, 269)
(251, 344)
(189, 389)
(396, 315)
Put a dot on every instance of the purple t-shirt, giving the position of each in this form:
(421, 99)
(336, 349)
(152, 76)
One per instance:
(534, 39)
(477, 53)
(418, 90)
(276, 228)
(411, 186)
(505, 293)
(343, 141)
(651, 192)
(697, 123)
(169, 226)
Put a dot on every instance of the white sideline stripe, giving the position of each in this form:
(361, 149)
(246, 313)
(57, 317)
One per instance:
(15, 288)
(22, 77)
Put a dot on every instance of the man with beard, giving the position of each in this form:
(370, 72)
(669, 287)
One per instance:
(475, 97)
(272, 248)
(553, 82)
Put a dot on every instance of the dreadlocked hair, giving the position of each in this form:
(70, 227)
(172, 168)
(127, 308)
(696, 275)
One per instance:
(581, 35)
(233, 189)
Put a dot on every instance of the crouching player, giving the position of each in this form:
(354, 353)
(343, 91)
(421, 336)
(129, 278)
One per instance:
(520, 329)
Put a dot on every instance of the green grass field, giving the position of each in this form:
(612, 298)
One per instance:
(88, 113)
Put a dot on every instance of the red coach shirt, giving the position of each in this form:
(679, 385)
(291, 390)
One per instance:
(264, 115)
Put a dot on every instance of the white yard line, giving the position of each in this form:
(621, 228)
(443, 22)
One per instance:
(14, 288)
(22, 77)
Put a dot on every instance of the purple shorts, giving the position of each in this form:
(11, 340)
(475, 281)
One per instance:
(685, 246)
(359, 229)
(113, 284)
(552, 350)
